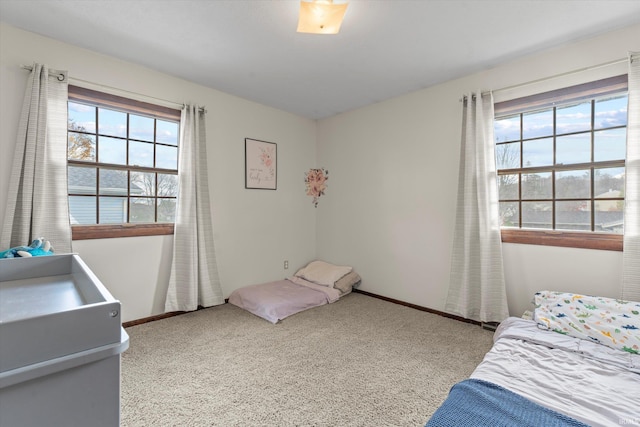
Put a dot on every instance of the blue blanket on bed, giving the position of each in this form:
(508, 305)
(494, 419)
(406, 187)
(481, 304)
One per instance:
(480, 403)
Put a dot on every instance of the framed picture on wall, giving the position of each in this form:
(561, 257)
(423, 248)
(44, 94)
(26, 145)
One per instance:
(260, 164)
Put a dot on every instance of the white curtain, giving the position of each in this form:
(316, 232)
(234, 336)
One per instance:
(631, 251)
(37, 203)
(477, 289)
(194, 279)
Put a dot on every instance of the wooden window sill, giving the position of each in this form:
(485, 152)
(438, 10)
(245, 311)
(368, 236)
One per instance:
(86, 232)
(569, 239)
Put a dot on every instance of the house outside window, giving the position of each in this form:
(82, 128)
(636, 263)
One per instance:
(560, 158)
(122, 165)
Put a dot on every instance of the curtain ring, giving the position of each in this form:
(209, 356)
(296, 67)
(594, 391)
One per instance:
(61, 77)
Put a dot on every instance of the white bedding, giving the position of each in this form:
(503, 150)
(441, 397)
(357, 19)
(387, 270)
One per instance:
(589, 382)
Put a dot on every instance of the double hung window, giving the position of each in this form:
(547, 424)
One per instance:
(560, 158)
(122, 165)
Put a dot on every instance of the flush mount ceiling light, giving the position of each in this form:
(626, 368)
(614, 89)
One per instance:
(321, 16)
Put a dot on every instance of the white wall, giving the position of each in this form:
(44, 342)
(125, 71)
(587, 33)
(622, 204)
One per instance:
(390, 206)
(255, 230)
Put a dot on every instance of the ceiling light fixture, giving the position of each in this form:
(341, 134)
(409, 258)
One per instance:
(321, 16)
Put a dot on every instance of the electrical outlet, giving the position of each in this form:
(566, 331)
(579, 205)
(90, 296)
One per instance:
(286, 265)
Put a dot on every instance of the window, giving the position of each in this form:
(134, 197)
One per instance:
(122, 166)
(560, 158)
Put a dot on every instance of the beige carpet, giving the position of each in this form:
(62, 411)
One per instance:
(358, 362)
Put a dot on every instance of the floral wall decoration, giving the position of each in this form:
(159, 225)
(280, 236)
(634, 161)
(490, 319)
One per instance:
(260, 164)
(316, 182)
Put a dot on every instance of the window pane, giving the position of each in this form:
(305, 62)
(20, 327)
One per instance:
(166, 157)
(508, 155)
(143, 210)
(507, 129)
(609, 216)
(143, 184)
(573, 118)
(112, 123)
(509, 216)
(81, 117)
(113, 210)
(112, 182)
(508, 187)
(167, 185)
(82, 181)
(536, 215)
(536, 186)
(610, 145)
(82, 210)
(141, 127)
(573, 184)
(166, 210)
(167, 132)
(573, 149)
(81, 147)
(112, 150)
(537, 153)
(573, 215)
(140, 154)
(609, 182)
(610, 112)
(537, 124)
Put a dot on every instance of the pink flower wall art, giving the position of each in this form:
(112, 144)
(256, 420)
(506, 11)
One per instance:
(260, 164)
(266, 157)
(316, 182)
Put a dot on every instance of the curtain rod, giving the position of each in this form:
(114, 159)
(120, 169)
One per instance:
(170, 104)
(544, 79)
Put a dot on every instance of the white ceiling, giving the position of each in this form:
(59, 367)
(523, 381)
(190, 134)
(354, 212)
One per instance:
(250, 48)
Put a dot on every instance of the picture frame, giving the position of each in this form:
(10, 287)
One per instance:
(260, 164)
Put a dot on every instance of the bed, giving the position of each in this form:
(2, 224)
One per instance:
(575, 363)
(318, 283)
